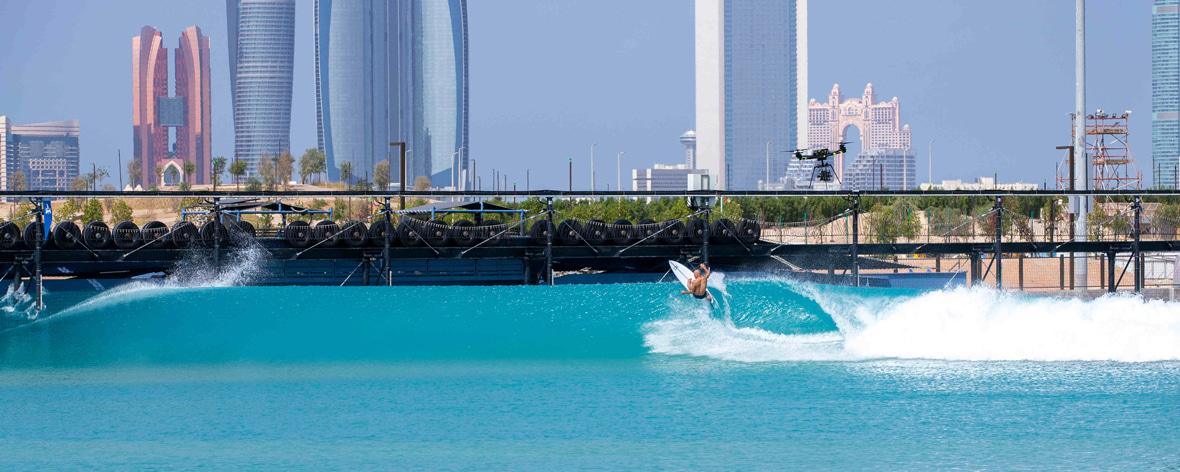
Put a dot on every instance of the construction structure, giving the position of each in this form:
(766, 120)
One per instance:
(1106, 138)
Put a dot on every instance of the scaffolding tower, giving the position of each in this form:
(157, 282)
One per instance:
(1110, 154)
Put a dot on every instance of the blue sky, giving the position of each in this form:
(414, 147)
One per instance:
(992, 81)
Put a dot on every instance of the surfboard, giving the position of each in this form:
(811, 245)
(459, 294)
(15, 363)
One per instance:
(683, 274)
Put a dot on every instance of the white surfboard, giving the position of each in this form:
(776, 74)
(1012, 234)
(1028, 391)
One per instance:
(684, 274)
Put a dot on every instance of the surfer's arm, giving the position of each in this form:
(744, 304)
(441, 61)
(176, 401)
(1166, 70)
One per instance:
(707, 271)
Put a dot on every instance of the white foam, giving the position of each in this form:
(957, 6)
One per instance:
(958, 324)
(985, 325)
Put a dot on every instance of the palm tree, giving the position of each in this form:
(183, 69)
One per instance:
(189, 168)
(238, 169)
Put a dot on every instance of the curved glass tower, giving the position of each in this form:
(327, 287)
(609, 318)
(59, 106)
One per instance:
(261, 61)
(390, 71)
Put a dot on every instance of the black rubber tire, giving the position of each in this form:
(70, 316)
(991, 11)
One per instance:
(126, 235)
(675, 233)
(645, 228)
(328, 232)
(380, 229)
(97, 235)
(568, 233)
(622, 233)
(694, 231)
(206, 234)
(298, 234)
(243, 229)
(437, 233)
(184, 235)
(541, 230)
(9, 235)
(596, 232)
(409, 234)
(354, 234)
(31, 233)
(155, 233)
(749, 232)
(723, 231)
(67, 235)
(464, 233)
(490, 229)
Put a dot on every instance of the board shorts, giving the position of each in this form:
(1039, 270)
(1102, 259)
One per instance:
(701, 297)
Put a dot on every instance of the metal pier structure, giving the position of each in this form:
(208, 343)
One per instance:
(391, 248)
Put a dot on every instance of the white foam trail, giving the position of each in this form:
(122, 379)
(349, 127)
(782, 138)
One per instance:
(695, 332)
(195, 271)
(957, 324)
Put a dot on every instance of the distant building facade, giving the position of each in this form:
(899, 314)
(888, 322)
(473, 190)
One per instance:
(46, 153)
(886, 159)
(660, 178)
(1165, 92)
(261, 46)
(981, 183)
(751, 87)
(154, 112)
(149, 83)
(194, 136)
(393, 71)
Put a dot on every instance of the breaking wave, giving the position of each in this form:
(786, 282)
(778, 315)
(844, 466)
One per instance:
(958, 324)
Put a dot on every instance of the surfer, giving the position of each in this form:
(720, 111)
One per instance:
(699, 285)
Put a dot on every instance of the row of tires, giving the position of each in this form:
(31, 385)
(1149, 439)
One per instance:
(435, 233)
(125, 235)
(409, 233)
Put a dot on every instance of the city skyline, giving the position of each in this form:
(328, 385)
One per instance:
(634, 80)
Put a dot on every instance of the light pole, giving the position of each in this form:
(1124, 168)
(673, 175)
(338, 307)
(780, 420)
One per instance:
(619, 184)
(592, 168)
(930, 164)
(767, 187)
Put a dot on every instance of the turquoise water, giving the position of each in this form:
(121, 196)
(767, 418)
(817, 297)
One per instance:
(624, 377)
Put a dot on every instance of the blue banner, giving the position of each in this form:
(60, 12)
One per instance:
(47, 210)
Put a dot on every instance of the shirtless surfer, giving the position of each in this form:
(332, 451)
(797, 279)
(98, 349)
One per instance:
(699, 285)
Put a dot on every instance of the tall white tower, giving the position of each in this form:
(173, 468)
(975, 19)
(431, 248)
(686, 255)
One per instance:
(751, 87)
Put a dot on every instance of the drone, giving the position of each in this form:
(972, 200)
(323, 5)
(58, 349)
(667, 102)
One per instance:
(823, 169)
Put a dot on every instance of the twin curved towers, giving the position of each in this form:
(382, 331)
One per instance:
(153, 111)
(393, 71)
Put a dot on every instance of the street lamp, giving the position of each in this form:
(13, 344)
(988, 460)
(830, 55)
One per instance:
(592, 168)
(767, 165)
(930, 165)
(619, 184)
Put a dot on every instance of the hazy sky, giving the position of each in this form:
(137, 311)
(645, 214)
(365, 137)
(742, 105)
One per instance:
(991, 81)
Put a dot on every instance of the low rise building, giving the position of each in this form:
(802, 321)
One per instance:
(662, 178)
(981, 183)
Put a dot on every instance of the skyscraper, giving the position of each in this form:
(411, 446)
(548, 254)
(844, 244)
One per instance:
(154, 112)
(149, 66)
(1165, 92)
(194, 136)
(261, 61)
(393, 71)
(751, 87)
